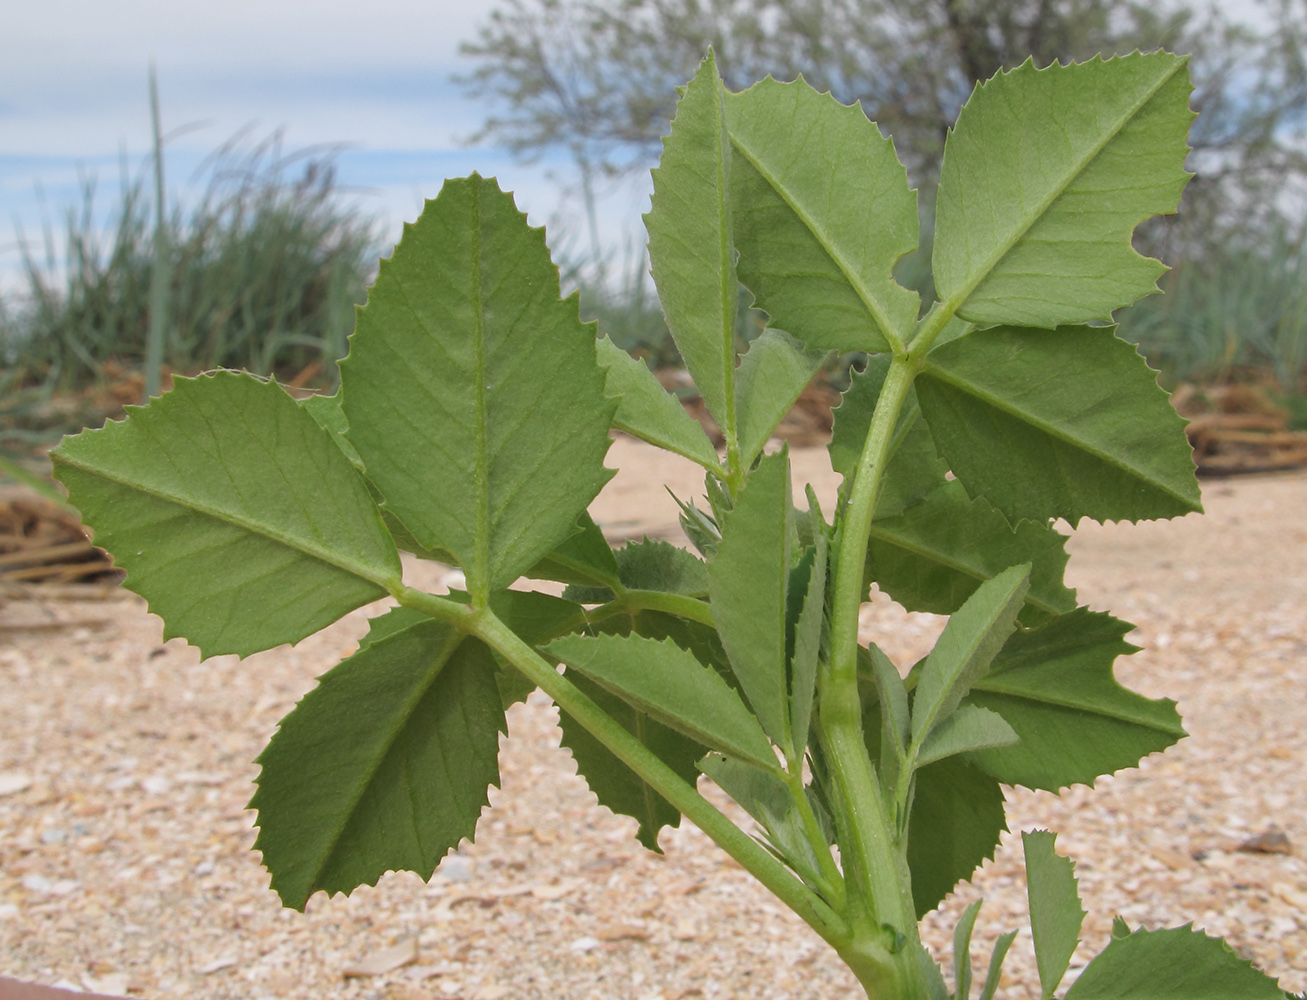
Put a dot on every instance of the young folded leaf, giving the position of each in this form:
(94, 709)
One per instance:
(670, 684)
(1058, 423)
(384, 765)
(806, 643)
(766, 798)
(691, 253)
(1054, 686)
(968, 729)
(995, 972)
(226, 480)
(1045, 176)
(962, 951)
(895, 719)
(648, 411)
(969, 642)
(443, 392)
(1180, 962)
(748, 582)
(1055, 910)
(822, 211)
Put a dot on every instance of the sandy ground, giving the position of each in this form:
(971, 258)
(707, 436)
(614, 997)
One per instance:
(125, 766)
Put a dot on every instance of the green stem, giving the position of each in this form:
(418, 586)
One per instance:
(881, 886)
(655, 600)
(483, 624)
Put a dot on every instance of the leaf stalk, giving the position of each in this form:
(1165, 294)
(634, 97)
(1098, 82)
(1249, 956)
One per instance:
(486, 626)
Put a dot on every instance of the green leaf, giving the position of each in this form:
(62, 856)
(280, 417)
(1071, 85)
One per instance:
(1176, 964)
(995, 971)
(653, 564)
(670, 684)
(748, 582)
(955, 822)
(1054, 686)
(690, 250)
(766, 798)
(806, 655)
(650, 564)
(233, 512)
(582, 559)
(1058, 423)
(774, 372)
(1045, 176)
(1055, 910)
(822, 211)
(615, 785)
(648, 411)
(383, 766)
(962, 950)
(914, 468)
(444, 395)
(971, 639)
(968, 728)
(934, 555)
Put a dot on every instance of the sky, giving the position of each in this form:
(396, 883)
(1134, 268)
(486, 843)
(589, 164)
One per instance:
(373, 77)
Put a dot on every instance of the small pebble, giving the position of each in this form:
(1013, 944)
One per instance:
(53, 835)
(582, 945)
(456, 868)
(156, 784)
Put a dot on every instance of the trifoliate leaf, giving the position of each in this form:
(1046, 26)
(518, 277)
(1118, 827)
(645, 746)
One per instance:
(934, 555)
(444, 393)
(690, 249)
(822, 211)
(1054, 686)
(383, 766)
(1058, 423)
(1045, 176)
(235, 515)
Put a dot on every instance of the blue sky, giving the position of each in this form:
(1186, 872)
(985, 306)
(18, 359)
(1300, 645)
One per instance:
(375, 76)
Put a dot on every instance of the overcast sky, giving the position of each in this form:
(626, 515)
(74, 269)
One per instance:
(375, 76)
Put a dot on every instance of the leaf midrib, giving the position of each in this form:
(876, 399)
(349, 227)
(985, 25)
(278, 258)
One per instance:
(479, 581)
(328, 556)
(824, 240)
(987, 685)
(934, 370)
(957, 301)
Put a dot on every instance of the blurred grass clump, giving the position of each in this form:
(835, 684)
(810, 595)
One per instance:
(265, 267)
